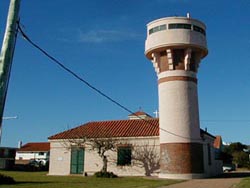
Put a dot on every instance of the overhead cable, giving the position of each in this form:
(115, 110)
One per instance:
(62, 66)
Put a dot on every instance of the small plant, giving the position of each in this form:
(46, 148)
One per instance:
(105, 175)
(6, 179)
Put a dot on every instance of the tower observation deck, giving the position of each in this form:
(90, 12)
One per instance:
(176, 45)
(176, 33)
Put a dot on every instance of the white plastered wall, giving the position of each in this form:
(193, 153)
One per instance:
(60, 158)
(179, 113)
(31, 155)
(215, 167)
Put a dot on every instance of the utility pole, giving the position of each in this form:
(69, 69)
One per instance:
(7, 52)
(1, 131)
(11, 117)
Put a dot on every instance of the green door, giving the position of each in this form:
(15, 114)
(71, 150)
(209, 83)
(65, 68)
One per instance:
(77, 161)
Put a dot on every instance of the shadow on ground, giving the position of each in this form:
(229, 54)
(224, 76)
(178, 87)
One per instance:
(235, 175)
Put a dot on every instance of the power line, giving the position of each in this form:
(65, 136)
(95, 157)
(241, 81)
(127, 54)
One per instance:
(62, 66)
(226, 120)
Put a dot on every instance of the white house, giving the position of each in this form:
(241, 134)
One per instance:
(36, 151)
(132, 136)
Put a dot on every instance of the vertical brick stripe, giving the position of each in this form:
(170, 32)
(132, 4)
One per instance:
(181, 158)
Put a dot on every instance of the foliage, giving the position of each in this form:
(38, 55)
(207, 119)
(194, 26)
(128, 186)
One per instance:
(226, 158)
(41, 180)
(234, 153)
(6, 179)
(102, 145)
(102, 174)
(241, 159)
(235, 147)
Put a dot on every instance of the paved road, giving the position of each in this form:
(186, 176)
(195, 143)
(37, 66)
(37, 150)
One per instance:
(228, 180)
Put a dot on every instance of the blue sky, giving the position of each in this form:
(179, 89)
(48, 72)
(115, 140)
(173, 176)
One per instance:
(103, 41)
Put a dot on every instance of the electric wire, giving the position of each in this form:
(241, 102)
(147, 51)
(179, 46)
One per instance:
(62, 66)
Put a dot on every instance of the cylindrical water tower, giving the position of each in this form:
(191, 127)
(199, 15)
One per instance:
(175, 45)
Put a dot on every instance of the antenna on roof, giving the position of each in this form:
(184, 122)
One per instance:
(156, 113)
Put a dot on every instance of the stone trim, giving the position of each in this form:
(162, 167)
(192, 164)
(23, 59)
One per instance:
(177, 78)
(177, 73)
(155, 61)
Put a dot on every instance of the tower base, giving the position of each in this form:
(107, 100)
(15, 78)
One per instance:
(181, 160)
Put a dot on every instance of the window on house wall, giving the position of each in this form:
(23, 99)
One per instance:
(41, 153)
(209, 154)
(1, 153)
(6, 153)
(124, 156)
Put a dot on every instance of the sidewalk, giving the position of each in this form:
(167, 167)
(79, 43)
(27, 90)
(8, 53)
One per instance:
(207, 183)
(228, 180)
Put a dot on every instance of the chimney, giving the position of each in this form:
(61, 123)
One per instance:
(19, 144)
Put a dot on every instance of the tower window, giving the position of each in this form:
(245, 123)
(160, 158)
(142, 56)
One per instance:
(157, 28)
(179, 26)
(178, 58)
(199, 29)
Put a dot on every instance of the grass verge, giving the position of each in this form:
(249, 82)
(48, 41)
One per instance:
(245, 183)
(41, 180)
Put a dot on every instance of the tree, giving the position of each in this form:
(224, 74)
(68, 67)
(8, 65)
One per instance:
(102, 146)
(235, 147)
(240, 158)
(236, 154)
(226, 157)
(147, 156)
(77, 142)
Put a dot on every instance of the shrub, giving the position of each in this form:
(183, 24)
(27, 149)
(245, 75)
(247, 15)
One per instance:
(240, 158)
(105, 175)
(6, 179)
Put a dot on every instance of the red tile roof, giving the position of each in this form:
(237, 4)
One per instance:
(218, 142)
(35, 146)
(140, 113)
(115, 128)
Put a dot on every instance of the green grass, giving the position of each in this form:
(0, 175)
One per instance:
(41, 180)
(245, 183)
